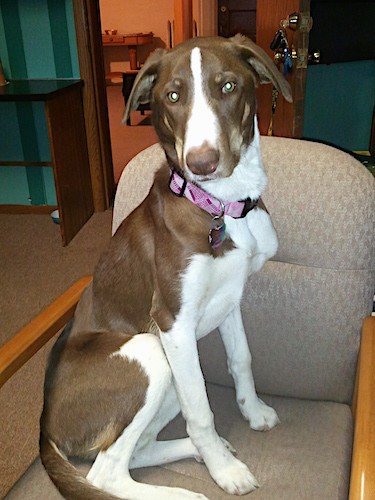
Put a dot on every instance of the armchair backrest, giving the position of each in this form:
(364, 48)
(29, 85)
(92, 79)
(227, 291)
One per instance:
(303, 311)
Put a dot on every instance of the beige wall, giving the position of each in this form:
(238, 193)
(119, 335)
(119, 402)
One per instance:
(134, 16)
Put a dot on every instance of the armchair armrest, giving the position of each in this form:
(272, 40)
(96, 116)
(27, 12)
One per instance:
(362, 483)
(18, 350)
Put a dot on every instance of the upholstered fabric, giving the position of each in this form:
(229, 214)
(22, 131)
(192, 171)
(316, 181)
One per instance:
(303, 328)
(303, 311)
(136, 181)
(322, 203)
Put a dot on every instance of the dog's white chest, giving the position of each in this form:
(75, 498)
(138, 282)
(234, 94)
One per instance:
(213, 287)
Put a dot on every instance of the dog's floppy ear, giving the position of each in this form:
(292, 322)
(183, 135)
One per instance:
(265, 69)
(144, 82)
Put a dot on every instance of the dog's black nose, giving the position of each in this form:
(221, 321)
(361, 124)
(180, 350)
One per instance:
(203, 160)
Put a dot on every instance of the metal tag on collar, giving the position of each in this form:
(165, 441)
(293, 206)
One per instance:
(217, 233)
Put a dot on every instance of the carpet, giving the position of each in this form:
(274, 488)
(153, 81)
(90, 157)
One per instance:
(36, 268)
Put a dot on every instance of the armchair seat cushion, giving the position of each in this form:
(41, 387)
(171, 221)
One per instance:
(306, 457)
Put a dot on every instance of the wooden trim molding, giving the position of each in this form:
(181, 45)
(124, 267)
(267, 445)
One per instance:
(20, 348)
(26, 163)
(205, 16)
(362, 484)
(27, 209)
(183, 20)
(89, 46)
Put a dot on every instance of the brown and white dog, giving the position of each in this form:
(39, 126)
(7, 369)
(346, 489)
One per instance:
(174, 271)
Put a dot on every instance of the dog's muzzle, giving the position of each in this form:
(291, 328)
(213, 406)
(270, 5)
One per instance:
(203, 160)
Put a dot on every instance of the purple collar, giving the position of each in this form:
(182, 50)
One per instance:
(215, 207)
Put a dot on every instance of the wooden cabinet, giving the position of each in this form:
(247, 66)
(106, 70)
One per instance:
(69, 160)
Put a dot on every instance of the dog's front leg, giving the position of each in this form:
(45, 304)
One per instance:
(228, 472)
(260, 416)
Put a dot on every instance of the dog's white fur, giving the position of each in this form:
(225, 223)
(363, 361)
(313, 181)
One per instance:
(202, 125)
(211, 294)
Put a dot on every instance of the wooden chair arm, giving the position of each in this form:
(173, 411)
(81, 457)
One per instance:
(20, 348)
(362, 483)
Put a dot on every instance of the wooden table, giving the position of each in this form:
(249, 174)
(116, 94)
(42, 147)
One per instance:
(131, 40)
(69, 159)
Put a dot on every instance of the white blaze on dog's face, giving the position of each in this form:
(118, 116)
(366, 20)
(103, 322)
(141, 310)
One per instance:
(201, 149)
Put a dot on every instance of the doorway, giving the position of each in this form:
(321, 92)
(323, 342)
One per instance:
(119, 19)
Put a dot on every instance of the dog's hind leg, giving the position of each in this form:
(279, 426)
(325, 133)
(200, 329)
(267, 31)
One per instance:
(110, 471)
(151, 452)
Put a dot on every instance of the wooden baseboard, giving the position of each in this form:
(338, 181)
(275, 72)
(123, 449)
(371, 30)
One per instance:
(27, 209)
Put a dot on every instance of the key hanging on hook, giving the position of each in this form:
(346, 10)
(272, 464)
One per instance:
(288, 63)
(276, 42)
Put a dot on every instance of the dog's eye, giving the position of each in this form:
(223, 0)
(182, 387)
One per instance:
(173, 97)
(228, 87)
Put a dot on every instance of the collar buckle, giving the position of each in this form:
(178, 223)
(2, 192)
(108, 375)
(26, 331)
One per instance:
(249, 204)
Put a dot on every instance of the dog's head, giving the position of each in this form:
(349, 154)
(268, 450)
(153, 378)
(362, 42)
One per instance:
(202, 94)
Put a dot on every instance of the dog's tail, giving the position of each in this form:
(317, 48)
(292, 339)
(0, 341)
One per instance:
(70, 483)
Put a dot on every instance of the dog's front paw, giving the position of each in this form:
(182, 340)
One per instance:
(227, 445)
(262, 417)
(235, 478)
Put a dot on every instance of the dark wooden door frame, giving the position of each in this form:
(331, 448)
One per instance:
(183, 20)
(90, 56)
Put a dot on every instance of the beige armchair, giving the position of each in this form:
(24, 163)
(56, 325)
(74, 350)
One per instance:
(303, 313)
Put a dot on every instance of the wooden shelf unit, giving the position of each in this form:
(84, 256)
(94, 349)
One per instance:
(63, 109)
